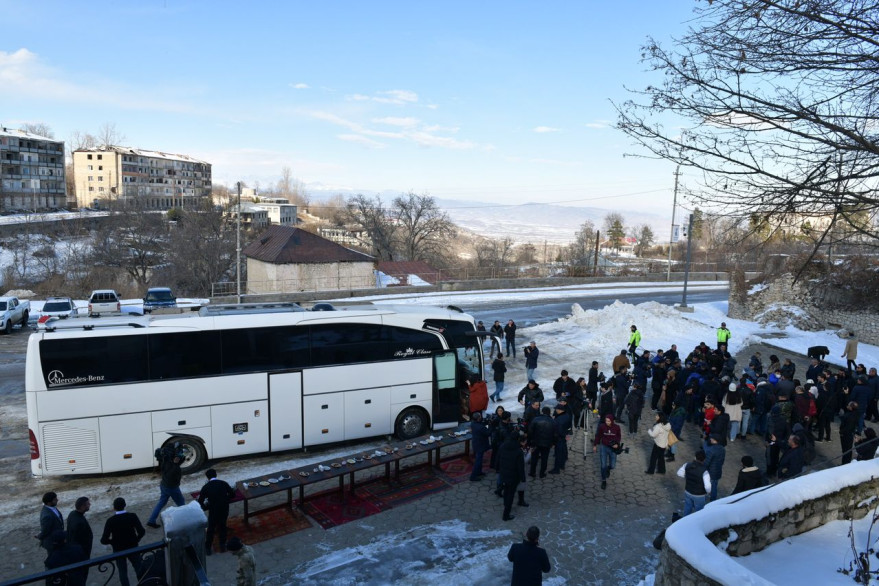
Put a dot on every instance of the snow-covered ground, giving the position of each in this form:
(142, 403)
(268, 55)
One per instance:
(827, 549)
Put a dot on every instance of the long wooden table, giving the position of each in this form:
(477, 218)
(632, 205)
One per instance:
(299, 478)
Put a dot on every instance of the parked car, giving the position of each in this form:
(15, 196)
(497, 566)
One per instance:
(13, 312)
(158, 297)
(60, 307)
(104, 302)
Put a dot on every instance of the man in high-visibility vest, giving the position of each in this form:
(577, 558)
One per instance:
(723, 336)
(634, 340)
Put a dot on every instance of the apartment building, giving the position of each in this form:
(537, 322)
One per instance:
(31, 172)
(155, 179)
(280, 214)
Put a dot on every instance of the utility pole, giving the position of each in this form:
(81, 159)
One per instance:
(238, 244)
(672, 235)
(683, 306)
(595, 259)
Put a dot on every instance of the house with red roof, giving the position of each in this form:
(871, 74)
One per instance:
(285, 259)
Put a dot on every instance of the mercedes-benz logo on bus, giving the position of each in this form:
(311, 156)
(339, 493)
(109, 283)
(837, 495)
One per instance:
(55, 377)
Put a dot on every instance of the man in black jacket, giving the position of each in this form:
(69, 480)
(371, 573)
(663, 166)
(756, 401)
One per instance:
(530, 562)
(79, 532)
(169, 488)
(511, 468)
(749, 476)
(564, 385)
(214, 498)
(847, 428)
(541, 436)
(562, 424)
(123, 531)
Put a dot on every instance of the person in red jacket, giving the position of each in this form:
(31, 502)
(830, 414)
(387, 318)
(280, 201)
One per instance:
(607, 441)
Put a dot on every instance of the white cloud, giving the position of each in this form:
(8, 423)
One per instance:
(429, 140)
(397, 121)
(396, 97)
(360, 139)
(300, 86)
(23, 74)
(438, 128)
(432, 106)
(598, 124)
(545, 129)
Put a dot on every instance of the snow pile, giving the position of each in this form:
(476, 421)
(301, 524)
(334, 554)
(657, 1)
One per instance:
(20, 293)
(783, 316)
(828, 549)
(757, 288)
(688, 538)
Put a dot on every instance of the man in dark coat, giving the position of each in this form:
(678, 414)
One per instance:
(530, 561)
(564, 385)
(562, 423)
(214, 498)
(481, 444)
(50, 521)
(79, 532)
(530, 392)
(847, 428)
(541, 435)
(749, 476)
(511, 467)
(791, 462)
(621, 382)
(510, 337)
(714, 457)
(123, 531)
(861, 394)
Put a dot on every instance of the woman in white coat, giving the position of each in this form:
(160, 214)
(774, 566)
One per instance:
(659, 433)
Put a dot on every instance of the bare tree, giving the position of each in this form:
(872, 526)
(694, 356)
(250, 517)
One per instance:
(134, 240)
(39, 128)
(645, 238)
(494, 252)
(108, 136)
(774, 104)
(580, 250)
(424, 228)
(376, 221)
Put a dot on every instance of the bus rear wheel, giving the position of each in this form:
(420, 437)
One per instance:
(194, 454)
(411, 423)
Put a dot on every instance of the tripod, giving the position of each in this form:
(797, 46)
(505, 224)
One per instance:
(583, 422)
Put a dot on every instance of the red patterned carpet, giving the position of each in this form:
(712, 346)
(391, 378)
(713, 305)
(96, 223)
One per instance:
(458, 469)
(330, 508)
(412, 485)
(268, 525)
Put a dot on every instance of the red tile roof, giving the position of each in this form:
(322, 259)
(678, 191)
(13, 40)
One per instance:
(288, 245)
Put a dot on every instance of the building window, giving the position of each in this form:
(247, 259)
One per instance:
(91, 177)
(90, 158)
(100, 157)
(91, 167)
(100, 167)
(100, 177)
(100, 189)
(91, 188)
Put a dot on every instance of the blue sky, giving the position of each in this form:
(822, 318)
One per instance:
(479, 101)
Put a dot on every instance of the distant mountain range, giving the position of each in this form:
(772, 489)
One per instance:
(537, 222)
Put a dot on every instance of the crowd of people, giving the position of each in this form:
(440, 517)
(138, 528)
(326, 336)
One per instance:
(705, 387)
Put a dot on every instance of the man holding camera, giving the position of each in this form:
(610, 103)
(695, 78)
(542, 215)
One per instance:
(531, 355)
(169, 488)
(608, 441)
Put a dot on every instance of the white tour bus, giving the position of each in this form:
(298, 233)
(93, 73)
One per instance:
(234, 380)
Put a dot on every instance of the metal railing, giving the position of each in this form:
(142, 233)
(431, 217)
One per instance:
(151, 573)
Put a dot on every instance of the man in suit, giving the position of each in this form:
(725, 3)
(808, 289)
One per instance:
(123, 531)
(214, 498)
(50, 521)
(79, 532)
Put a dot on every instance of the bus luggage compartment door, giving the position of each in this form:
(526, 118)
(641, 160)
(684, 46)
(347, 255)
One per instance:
(285, 404)
(239, 428)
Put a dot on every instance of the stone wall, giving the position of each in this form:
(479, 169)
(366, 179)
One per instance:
(782, 302)
(795, 516)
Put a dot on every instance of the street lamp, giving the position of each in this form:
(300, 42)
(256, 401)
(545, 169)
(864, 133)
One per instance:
(238, 244)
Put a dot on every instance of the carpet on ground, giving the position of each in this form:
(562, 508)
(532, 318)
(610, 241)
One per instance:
(267, 525)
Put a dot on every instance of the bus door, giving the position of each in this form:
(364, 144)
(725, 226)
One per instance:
(446, 396)
(285, 410)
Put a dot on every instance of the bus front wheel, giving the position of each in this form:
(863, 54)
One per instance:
(411, 423)
(194, 454)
